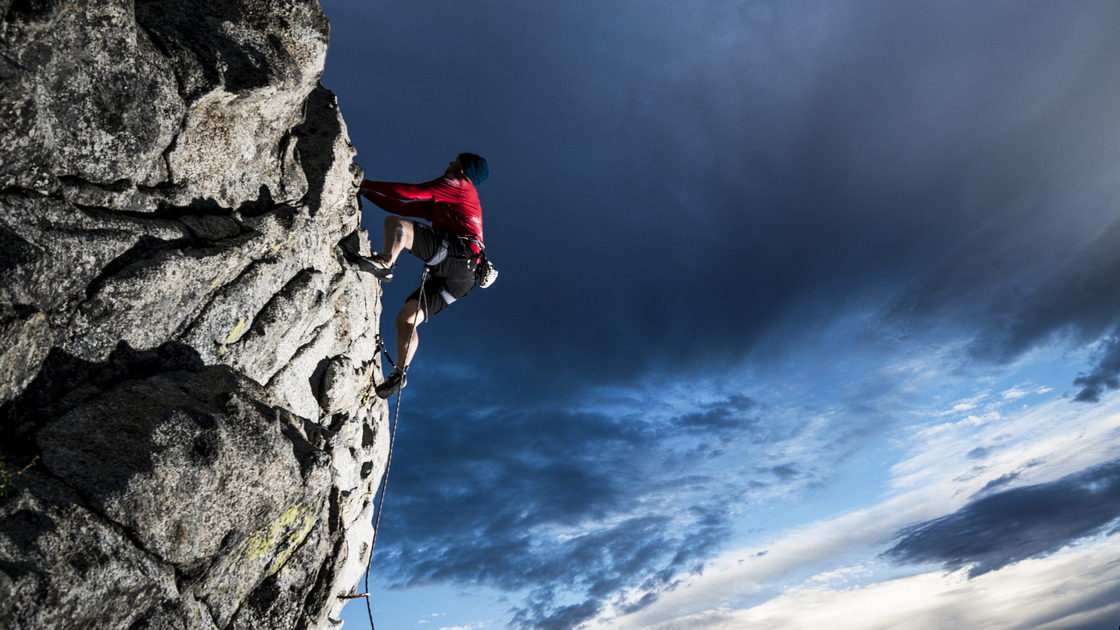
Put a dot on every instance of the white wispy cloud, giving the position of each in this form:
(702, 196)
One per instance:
(1023, 390)
(477, 625)
(1035, 445)
(1071, 589)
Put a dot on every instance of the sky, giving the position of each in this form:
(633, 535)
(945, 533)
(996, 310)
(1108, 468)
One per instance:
(807, 313)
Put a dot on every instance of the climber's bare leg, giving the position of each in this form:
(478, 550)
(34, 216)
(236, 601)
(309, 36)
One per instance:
(398, 237)
(408, 320)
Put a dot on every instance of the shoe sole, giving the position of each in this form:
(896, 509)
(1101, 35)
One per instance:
(386, 395)
(367, 266)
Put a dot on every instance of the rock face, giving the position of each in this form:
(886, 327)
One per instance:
(185, 347)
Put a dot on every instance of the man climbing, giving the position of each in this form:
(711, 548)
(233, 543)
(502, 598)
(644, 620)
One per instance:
(451, 246)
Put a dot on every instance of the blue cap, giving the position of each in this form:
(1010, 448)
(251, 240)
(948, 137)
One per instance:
(474, 167)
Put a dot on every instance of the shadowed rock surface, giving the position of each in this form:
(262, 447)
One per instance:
(185, 346)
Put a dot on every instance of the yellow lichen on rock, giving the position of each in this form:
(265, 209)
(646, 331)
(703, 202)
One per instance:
(235, 332)
(290, 528)
(232, 336)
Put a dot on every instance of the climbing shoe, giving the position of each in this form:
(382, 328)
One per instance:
(375, 265)
(391, 385)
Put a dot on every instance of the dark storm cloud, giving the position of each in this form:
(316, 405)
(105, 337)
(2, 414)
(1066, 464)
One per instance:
(671, 180)
(606, 564)
(1105, 375)
(483, 498)
(729, 415)
(1077, 297)
(563, 619)
(1002, 528)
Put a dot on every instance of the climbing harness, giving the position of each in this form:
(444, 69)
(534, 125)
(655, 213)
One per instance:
(463, 248)
(392, 439)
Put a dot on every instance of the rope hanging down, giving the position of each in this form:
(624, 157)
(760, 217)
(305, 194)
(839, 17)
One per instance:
(392, 438)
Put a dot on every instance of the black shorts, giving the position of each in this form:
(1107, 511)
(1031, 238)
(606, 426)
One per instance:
(453, 267)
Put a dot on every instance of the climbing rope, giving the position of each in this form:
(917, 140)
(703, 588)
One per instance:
(392, 438)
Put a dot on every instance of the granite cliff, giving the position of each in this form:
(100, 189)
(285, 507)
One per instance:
(187, 355)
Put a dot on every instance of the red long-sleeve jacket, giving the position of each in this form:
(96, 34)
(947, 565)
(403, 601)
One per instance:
(450, 203)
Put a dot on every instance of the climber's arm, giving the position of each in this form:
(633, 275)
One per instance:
(419, 209)
(402, 191)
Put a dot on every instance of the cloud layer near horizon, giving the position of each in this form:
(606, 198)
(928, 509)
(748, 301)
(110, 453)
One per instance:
(1082, 593)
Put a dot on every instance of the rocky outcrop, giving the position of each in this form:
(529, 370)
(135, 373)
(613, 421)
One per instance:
(185, 347)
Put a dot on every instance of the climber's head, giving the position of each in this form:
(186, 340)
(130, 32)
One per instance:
(473, 166)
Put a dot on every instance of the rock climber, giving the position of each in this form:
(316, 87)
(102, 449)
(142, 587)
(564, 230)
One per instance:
(451, 247)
